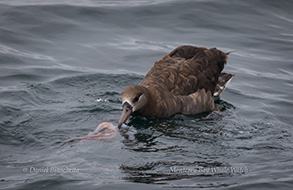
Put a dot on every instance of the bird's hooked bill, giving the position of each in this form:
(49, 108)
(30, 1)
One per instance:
(126, 112)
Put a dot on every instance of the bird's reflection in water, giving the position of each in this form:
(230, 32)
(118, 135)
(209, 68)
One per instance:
(179, 143)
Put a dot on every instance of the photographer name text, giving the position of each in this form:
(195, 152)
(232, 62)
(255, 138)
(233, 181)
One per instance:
(60, 170)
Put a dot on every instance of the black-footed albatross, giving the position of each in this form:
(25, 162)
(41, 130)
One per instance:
(188, 81)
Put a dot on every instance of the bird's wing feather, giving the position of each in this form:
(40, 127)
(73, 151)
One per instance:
(186, 69)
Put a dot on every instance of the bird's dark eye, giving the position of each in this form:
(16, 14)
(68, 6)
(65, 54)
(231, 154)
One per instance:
(136, 98)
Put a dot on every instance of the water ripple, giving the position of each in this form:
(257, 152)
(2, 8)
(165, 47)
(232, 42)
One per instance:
(14, 52)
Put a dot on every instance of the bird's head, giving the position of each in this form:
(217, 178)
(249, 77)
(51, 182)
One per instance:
(134, 99)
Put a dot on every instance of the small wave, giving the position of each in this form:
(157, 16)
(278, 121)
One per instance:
(88, 3)
(282, 17)
(135, 44)
(256, 56)
(14, 52)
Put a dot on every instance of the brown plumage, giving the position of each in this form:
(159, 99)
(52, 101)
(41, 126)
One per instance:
(188, 80)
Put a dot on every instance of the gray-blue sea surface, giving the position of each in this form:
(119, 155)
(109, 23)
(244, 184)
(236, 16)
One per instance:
(63, 65)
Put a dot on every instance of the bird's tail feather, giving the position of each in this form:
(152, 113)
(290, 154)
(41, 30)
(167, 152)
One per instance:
(223, 81)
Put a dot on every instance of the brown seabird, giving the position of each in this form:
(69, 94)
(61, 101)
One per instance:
(188, 81)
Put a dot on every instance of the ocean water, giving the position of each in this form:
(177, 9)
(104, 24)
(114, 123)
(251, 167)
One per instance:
(63, 65)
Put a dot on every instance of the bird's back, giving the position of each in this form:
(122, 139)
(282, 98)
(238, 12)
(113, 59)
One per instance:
(185, 70)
